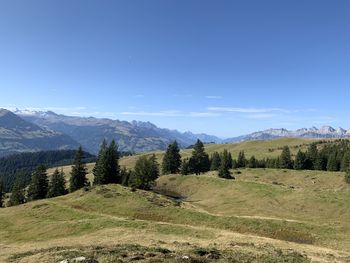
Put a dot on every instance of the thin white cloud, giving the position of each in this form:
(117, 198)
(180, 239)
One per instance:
(213, 97)
(170, 113)
(262, 116)
(247, 110)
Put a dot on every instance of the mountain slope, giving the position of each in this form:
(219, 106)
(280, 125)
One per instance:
(18, 135)
(325, 132)
(131, 136)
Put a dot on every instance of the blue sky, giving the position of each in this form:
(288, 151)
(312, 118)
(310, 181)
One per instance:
(220, 67)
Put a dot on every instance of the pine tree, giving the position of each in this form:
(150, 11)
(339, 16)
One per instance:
(241, 160)
(107, 170)
(98, 170)
(17, 196)
(185, 167)
(215, 161)
(300, 162)
(345, 162)
(311, 156)
(112, 170)
(78, 174)
(321, 162)
(1, 193)
(199, 161)
(57, 184)
(39, 184)
(145, 173)
(224, 169)
(286, 159)
(332, 164)
(125, 175)
(172, 159)
(230, 160)
(252, 163)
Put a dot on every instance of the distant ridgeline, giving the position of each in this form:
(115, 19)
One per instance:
(24, 163)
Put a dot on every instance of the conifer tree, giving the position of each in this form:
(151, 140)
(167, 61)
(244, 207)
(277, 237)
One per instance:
(345, 162)
(78, 174)
(252, 163)
(224, 169)
(321, 162)
(39, 184)
(125, 175)
(332, 164)
(241, 160)
(215, 161)
(286, 159)
(17, 196)
(1, 193)
(107, 170)
(172, 159)
(145, 173)
(311, 156)
(98, 170)
(230, 160)
(185, 167)
(112, 169)
(300, 162)
(57, 184)
(199, 161)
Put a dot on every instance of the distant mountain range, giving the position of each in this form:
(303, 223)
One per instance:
(18, 135)
(325, 132)
(29, 131)
(132, 136)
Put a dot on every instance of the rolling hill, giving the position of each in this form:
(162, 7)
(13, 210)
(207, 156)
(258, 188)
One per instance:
(263, 216)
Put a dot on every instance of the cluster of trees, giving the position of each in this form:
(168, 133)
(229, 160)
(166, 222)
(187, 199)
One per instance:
(198, 163)
(23, 164)
(106, 171)
(333, 156)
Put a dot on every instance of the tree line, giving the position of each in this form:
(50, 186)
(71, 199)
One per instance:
(334, 156)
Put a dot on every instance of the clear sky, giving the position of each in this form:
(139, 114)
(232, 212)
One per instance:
(221, 67)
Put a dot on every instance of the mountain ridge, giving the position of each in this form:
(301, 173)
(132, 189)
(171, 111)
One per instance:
(134, 136)
(324, 132)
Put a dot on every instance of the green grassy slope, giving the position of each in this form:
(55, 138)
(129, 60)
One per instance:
(303, 211)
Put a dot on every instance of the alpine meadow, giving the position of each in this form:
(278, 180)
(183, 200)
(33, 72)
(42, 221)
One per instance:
(174, 131)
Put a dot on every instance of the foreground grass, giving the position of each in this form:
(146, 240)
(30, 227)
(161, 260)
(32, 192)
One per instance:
(306, 211)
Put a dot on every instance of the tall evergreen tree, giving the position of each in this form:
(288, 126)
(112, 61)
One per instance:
(215, 161)
(311, 156)
(230, 160)
(125, 175)
(107, 170)
(78, 174)
(57, 184)
(286, 159)
(252, 163)
(99, 168)
(300, 162)
(332, 164)
(321, 162)
(241, 160)
(345, 162)
(39, 184)
(224, 169)
(1, 193)
(112, 171)
(145, 173)
(17, 196)
(199, 161)
(185, 167)
(172, 159)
